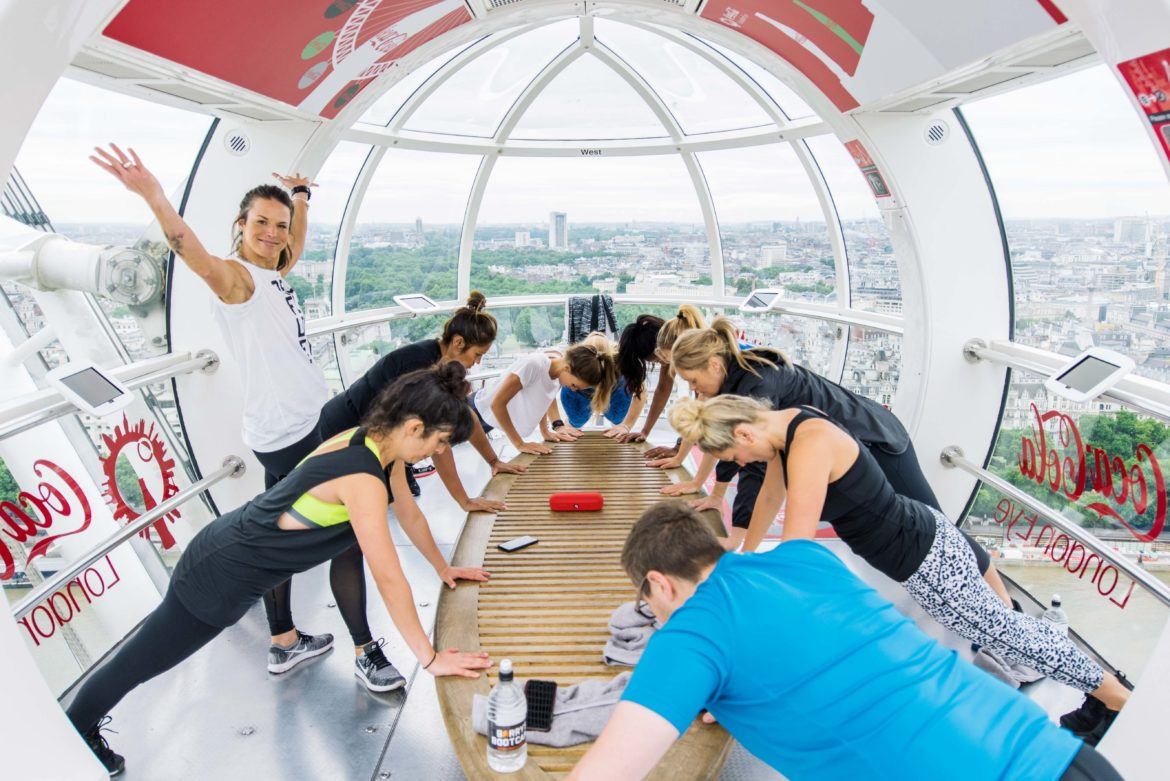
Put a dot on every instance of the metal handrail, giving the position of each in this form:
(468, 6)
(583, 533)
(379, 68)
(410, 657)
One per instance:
(33, 409)
(869, 320)
(233, 466)
(1139, 393)
(952, 457)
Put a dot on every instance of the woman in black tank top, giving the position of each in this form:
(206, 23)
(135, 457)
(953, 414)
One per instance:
(337, 496)
(830, 476)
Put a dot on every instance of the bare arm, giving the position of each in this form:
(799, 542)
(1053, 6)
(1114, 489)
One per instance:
(810, 463)
(219, 275)
(695, 484)
(414, 523)
(772, 493)
(365, 498)
(628, 748)
(657, 404)
(509, 387)
(620, 431)
(299, 229)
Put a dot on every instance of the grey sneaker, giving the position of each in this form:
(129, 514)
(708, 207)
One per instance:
(375, 670)
(306, 647)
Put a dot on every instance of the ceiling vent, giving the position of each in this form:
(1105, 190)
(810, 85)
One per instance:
(237, 143)
(937, 132)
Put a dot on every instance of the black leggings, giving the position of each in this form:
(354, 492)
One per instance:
(169, 635)
(1090, 765)
(347, 577)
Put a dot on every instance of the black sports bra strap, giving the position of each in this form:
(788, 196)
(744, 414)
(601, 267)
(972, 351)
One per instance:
(359, 437)
(806, 413)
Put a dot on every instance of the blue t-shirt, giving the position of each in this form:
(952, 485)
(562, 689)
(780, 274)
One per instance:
(822, 678)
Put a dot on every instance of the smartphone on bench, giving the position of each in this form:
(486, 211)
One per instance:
(516, 544)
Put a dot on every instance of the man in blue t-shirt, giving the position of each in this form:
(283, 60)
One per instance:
(813, 672)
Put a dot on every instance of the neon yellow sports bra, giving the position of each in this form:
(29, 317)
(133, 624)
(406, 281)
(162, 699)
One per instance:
(312, 511)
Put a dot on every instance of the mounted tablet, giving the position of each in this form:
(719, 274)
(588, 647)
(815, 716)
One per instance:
(1090, 374)
(415, 302)
(760, 300)
(89, 388)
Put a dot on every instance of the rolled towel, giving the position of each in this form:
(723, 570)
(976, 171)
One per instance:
(579, 713)
(630, 630)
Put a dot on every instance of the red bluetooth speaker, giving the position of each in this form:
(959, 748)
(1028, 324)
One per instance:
(575, 502)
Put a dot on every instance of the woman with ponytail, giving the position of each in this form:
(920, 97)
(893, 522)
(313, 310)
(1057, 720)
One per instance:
(829, 474)
(464, 339)
(712, 363)
(334, 499)
(525, 396)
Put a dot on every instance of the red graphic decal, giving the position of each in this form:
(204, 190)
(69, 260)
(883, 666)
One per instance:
(286, 51)
(1056, 14)
(823, 39)
(873, 177)
(43, 510)
(150, 449)
(60, 607)
(1070, 467)
(1149, 78)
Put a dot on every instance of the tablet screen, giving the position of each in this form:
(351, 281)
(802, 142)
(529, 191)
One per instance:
(92, 386)
(416, 302)
(1087, 373)
(761, 300)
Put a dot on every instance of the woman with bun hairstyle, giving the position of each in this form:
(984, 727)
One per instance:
(525, 396)
(712, 363)
(335, 498)
(465, 337)
(829, 474)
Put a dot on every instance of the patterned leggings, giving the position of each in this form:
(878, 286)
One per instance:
(949, 588)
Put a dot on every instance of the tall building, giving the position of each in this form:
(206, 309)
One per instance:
(418, 226)
(1131, 230)
(523, 238)
(558, 230)
(773, 254)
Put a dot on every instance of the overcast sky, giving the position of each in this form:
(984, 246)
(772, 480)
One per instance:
(1072, 147)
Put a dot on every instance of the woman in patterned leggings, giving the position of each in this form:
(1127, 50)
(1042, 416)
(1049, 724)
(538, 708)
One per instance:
(830, 476)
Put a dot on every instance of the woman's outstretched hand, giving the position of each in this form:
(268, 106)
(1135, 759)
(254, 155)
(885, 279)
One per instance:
(454, 662)
(452, 574)
(128, 170)
(294, 180)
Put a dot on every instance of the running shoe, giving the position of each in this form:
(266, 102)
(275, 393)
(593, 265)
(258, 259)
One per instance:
(375, 670)
(113, 762)
(1084, 718)
(306, 647)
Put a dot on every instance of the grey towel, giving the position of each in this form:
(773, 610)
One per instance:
(579, 713)
(588, 314)
(630, 630)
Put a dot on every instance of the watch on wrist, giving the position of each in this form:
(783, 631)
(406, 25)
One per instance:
(300, 188)
(558, 423)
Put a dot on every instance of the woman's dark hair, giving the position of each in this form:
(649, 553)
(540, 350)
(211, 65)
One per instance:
(268, 192)
(436, 396)
(636, 347)
(477, 327)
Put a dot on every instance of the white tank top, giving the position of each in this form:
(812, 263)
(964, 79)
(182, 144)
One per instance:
(283, 390)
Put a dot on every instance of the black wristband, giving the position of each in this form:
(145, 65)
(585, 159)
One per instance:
(300, 188)
(557, 424)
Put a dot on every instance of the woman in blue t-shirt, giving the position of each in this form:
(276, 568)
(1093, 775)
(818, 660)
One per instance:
(830, 475)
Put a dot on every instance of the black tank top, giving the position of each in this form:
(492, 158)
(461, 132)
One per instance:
(242, 554)
(892, 533)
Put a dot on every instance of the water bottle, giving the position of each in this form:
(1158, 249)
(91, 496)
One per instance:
(1056, 616)
(507, 713)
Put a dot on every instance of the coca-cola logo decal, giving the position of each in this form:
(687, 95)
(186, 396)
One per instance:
(150, 449)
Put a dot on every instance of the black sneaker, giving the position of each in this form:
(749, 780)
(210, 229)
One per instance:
(1093, 736)
(375, 670)
(1084, 718)
(114, 763)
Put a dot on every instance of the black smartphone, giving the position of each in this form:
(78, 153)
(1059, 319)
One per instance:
(514, 545)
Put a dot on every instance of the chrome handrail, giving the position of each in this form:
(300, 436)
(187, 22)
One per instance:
(1139, 393)
(233, 466)
(874, 321)
(33, 409)
(952, 457)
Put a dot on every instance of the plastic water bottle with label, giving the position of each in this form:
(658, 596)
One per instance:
(507, 715)
(1056, 616)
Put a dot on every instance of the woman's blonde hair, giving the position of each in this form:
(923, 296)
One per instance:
(695, 348)
(594, 361)
(711, 424)
(688, 318)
